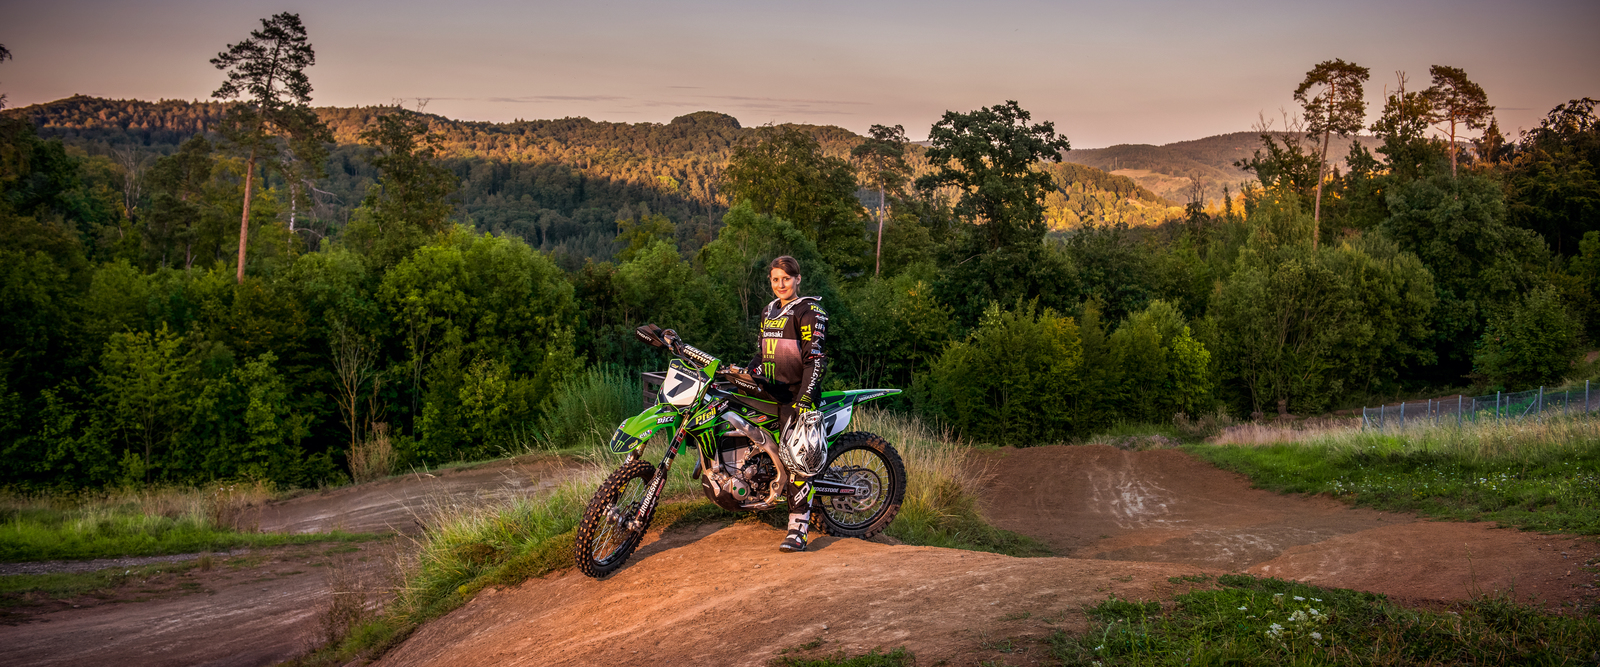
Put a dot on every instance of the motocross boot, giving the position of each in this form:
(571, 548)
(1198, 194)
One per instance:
(799, 517)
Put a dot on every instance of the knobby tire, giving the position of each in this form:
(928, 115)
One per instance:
(864, 460)
(601, 545)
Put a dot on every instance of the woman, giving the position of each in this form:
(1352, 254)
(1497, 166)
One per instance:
(791, 360)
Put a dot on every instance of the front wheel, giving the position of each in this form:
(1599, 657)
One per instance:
(871, 465)
(605, 539)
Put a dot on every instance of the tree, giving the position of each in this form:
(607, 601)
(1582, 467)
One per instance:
(989, 155)
(1457, 102)
(1553, 181)
(1004, 384)
(783, 172)
(411, 200)
(268, 70)
(1480, 264)
(883, 155)
(1335, 106)
(1532, 344)
(142, 375)
(1403, 125)
(5, 54)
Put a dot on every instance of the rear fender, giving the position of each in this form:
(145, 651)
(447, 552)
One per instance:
(636, 430)
(838, 407)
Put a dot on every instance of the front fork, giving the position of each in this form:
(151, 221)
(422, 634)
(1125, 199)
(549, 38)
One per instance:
(657, 482)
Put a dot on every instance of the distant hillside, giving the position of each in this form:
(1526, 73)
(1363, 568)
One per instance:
(1171, 170)
(561, 184)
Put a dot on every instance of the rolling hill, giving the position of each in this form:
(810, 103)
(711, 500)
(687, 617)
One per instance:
(1170, 171)
(561, 184)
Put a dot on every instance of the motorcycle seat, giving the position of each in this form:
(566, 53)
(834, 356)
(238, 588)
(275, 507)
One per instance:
(765, 407)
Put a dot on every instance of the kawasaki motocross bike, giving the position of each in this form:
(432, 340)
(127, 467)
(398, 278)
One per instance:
(730, 423)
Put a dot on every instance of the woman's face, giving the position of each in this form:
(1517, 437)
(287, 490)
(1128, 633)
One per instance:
(784, 285)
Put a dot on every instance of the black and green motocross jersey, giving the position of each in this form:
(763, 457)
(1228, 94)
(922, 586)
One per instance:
(791, 346)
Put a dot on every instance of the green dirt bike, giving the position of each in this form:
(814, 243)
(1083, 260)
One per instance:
(732, 422)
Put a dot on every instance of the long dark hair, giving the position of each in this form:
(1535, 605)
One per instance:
(787, 264)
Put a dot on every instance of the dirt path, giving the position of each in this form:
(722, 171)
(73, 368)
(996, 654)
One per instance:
(1104, 503)
(261, 606)
(255, 609)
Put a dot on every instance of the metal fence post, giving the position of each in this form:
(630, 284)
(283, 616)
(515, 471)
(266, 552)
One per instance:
(1458, 409)
(1383, 415)
(1586, 395)
(1497, 405)
(1402, 414)
(1541, 400)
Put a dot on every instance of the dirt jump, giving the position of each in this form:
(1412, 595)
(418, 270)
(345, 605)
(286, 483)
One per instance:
(1123, 523)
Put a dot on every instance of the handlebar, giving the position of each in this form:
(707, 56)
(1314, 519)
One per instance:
(669, 340)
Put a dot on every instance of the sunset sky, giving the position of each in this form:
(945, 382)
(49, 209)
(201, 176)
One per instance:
(1105, 73)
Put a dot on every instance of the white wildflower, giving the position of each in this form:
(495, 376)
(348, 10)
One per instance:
(1317, 636)
(1244, 609)
(1298, 598)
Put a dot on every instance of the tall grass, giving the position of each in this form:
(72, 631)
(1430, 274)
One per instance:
(136, 522)
(586, 410)
(1538, 474)
(373, 457)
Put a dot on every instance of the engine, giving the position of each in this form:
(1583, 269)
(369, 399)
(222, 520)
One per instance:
(744, 474)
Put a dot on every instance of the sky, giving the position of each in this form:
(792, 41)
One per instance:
(1104, 72)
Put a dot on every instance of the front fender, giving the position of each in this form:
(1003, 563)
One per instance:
(636, 430)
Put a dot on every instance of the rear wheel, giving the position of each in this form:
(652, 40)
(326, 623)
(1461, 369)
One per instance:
(871, 465)
(605, 537)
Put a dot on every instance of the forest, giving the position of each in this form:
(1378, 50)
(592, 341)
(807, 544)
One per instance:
(253, 288)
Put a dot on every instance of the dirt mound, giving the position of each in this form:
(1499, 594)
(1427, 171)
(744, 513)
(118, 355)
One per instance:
(1103, 503)
(728, 597)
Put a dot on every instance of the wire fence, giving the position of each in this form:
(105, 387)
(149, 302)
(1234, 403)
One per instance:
(1497, 406)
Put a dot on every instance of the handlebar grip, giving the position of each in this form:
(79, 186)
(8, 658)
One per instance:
(651, 334)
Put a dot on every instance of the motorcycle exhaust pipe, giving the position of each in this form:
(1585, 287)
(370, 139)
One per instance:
(763, 440)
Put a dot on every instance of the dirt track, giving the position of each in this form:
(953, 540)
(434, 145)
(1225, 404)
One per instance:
(402, 503)
(266, 610)
(1123, 521)
(1108, 504)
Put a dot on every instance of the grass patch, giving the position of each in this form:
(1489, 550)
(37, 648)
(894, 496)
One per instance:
(14, 588)
(1537, 475)
(899, 657)
(1248, 621)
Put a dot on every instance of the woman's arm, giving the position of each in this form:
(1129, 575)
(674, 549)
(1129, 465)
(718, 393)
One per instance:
(813, 357)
